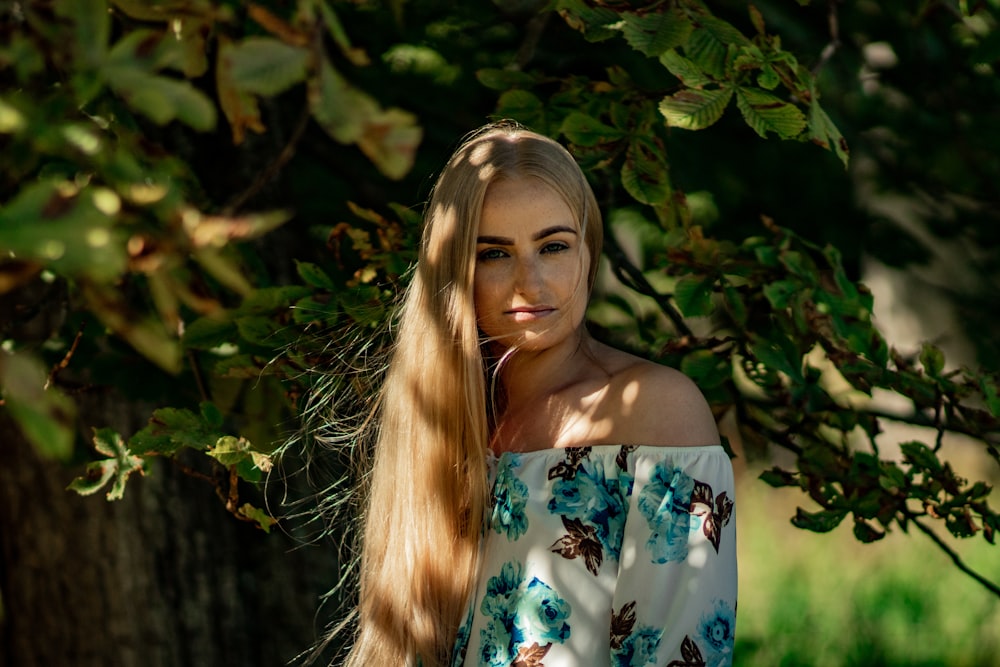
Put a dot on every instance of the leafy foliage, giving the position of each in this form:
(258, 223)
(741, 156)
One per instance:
(195, 207)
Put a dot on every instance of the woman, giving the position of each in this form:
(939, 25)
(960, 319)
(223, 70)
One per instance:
(535, 497)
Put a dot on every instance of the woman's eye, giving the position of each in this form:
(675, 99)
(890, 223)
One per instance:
(492, 253)
(555, 246)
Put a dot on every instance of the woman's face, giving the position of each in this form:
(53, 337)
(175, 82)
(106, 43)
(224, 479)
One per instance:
(531, 266)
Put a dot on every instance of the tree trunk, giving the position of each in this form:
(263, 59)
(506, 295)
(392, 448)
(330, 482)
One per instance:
(163, 578)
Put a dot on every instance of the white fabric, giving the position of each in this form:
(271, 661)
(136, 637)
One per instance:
(606, 555)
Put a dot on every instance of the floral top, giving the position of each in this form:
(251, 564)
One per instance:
(606, 555)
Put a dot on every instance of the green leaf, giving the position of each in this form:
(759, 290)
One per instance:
(932, 359)
(652, 33)
(95, 477)
(991, 395)
(522, 106)
(308, 310)
(596, 23)
(920, 455)
(258, 516)
(268, 300)
(117, 468)
(721, 31)
(892, 479)
(645, 177)
(92, 26)
(799, 264)
(208, 332)
(314, 275)
(55, 223)
(779, 478)
(266, 66)
(172, 429)
(780, 292)
(230, 450)
(210, 414)
(706, 368)
(22, 54)
(339, 36)
(695, 109)
(388, 137)
(765, 113)
(46, 416)
(238, 367)
(819, 522)
(504, 79)
(162, 99)
(339, 108)
(774, 357)
(768, 78)
(584, 130)
(735, 304)
(689, 73)
(390, 141)
(694, 295)
(265, 331)
(823, 132)
(708, 45)
(865, 532)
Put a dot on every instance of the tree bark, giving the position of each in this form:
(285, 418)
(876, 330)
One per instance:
(163, 578)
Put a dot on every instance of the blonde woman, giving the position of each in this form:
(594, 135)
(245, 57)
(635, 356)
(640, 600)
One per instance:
(536, 498)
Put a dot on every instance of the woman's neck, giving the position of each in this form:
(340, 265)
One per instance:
(528, 377)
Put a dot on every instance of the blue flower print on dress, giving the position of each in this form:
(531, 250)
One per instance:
(665, 502)
(631, 646)
(716, 634)
(495, 644)
(462, 640)
(522, 618)
(501, 591)
(541, 615)
(510, 497)
(593, 506)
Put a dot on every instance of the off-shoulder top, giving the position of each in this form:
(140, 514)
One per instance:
(607, 555)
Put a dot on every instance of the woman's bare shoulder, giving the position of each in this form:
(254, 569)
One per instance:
(662, 406)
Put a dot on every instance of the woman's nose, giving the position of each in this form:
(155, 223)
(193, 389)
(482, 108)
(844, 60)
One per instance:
(527, 278)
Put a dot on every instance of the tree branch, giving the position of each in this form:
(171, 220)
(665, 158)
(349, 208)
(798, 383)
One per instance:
(272, 170)
(833, 21)
(955, 558)
(630, 276)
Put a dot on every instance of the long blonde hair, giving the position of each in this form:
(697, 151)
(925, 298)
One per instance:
(426, 494)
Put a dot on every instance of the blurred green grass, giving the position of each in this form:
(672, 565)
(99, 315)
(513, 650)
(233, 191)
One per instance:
(825, 600)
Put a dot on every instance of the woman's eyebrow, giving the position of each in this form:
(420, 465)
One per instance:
(555, 229)
(506, 240)
(495, 240)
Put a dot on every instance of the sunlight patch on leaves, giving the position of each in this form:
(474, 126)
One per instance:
(45, 415)
(655, 32)
(116, 469)
(764, 113)
(695, 109)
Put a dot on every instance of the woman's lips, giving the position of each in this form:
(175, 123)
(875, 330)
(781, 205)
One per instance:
(530, 314)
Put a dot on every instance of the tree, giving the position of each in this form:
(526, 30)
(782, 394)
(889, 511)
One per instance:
(198, 210)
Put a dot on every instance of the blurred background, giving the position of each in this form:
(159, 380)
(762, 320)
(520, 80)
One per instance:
(176, 173)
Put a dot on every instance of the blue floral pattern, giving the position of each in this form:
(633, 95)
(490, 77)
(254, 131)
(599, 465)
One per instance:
(462, 640)
(665, 502)
(717, 632)
(631, 646)
(522, 616)
(509, 500)
(582, 560)
(593, 506)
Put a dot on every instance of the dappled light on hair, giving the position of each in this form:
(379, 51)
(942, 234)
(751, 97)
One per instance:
(427, 492)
